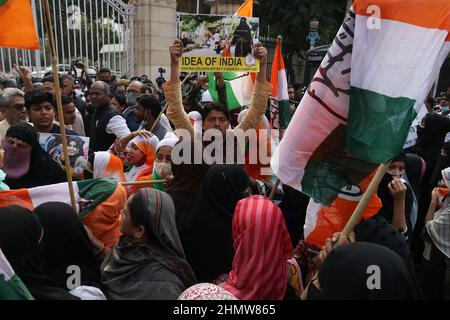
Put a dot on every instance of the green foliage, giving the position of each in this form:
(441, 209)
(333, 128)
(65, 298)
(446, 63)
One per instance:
(291, 18)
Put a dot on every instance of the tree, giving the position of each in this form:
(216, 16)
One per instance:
(290, 18)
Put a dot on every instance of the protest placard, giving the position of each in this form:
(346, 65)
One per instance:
(213, 43)
(77, 148)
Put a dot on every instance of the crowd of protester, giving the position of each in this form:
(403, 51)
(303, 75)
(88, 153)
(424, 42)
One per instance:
(204, 231)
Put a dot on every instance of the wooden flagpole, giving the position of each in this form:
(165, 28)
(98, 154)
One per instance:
(137, 183)
(373, 186)
(277, 182)
(48, 24)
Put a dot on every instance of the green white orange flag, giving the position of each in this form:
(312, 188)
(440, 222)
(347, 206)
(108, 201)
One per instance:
(17, 29)
(239, 85)
(11, 287)
(279, 104)
(360, 105)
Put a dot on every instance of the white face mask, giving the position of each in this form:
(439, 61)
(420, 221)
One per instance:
(78, 92)
(163, 169)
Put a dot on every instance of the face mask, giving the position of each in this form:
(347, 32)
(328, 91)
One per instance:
(16, 162)
(163, 170)
(78, 92)
(131, 99)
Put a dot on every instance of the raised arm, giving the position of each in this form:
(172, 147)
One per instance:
(261, 93)
(172, 91)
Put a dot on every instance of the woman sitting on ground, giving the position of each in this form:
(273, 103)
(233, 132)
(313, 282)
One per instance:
(148, 261)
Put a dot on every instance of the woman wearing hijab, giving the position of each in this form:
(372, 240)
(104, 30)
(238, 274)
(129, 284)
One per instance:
(187, 178)
(242, 39)
(206, 291)
(433, 269)
(396, 197)
(162, 168)
(142, 151)
(363, 271)
(65, 243)
(205, 229)
(261, 270)
(378, 230)
(25, 163)
(148, 261)
(107, 165)
(20, 236)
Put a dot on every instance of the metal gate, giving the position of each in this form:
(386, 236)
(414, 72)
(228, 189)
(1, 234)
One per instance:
(99, 32)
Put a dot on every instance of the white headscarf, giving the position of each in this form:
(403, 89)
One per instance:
(446, 176)
(196, 119)
(170, 140)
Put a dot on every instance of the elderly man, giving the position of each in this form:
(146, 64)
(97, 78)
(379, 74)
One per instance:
(14, 104)
(106, 124)
(134, 91)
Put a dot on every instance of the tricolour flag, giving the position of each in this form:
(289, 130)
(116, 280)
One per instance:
(279, 106)
(239, 85)
(360, 104)
(99, 203)
(322, 221)
(11, 287)
(239, 88)
(17, 29)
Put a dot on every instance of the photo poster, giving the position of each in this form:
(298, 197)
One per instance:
(77, 148)
(213, 43)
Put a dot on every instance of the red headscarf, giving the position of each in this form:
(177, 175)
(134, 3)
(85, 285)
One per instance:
(262, 247)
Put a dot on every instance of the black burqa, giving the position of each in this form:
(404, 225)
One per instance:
(43, 170)
(377, 230)
(345, 274)
(65, 243)
(188, 177)
(205, 229)
(242, 39)
(387, 209)
(20, 232)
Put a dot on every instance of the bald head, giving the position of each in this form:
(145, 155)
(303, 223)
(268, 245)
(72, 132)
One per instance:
(102, 86)
(136, 87)
(99, 94)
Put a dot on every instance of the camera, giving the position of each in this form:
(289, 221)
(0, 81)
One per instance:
(78, 63)
(161, 70)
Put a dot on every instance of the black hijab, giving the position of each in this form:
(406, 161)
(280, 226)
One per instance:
(205, 229)
(415, 169)
(387, 210)
(378, 230)
(242, 38)
(431, 137)
(66, 243)
(442, 162)
(20, 234)
(345, 274)
(188, 177)
(43, 170)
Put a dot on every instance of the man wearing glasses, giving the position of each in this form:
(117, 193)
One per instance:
(14, 103)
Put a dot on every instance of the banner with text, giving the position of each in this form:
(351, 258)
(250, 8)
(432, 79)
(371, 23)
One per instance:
(213, 43)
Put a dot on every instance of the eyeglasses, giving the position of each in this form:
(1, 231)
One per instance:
(19, 107)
